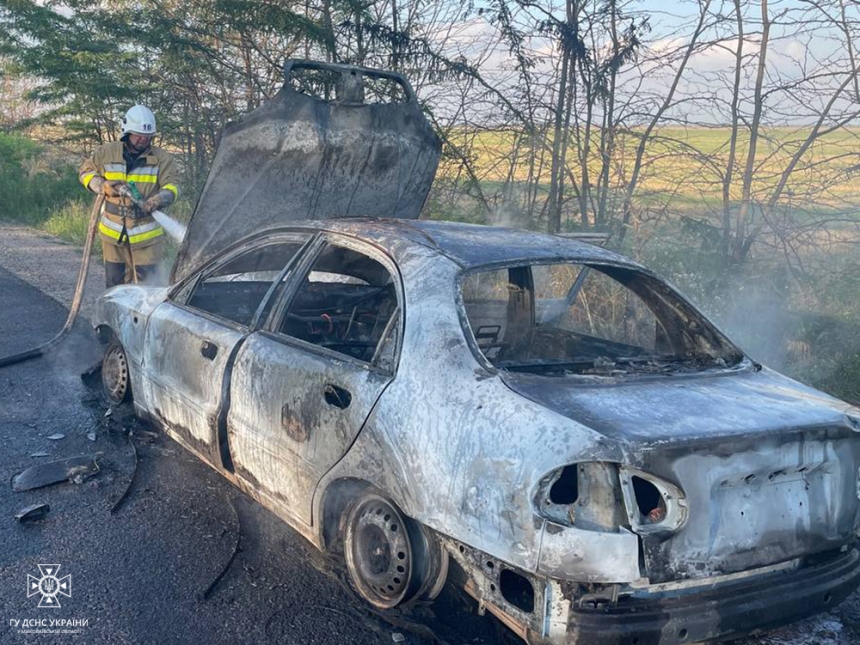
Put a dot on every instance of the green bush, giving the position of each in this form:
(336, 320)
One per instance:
(33, 181)
(70, 222)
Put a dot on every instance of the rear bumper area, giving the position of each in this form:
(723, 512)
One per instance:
(721, 612)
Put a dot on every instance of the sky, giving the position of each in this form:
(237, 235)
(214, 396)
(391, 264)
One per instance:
(802, 44)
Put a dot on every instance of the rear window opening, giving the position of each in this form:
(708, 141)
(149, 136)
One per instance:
(565, 490)
(568, 318)
(651, 504)
(517, 590)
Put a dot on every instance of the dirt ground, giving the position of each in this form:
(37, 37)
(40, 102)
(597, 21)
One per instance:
(139, 573)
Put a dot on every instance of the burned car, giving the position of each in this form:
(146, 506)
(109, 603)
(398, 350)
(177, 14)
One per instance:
(538, 419)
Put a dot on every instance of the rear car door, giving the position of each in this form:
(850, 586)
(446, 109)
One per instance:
(191, 338)
(302, 388)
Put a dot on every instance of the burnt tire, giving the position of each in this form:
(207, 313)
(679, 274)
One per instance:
(390, 558)
(116, 377)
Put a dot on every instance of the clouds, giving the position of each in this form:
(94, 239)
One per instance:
(799, 48)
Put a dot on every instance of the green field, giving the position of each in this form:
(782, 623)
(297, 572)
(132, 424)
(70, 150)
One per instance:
(685, 166)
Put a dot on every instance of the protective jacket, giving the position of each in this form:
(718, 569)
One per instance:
(152, 171)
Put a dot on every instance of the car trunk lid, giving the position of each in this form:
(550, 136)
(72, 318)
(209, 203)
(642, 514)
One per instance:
(687, 407)
(769, 467)
(756, 502)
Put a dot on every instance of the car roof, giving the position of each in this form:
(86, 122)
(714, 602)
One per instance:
(470, 245)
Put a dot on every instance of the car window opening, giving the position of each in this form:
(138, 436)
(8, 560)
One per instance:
(566, 318)
(235, 290)
(346, 303)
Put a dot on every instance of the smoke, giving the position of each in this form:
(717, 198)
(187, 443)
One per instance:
(757, 317)
(508, 212)
(808, 330)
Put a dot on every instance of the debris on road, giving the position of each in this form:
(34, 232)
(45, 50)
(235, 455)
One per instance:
(75, 469)
(57, 437)
(40, 454)
(92, 376)
(397, 637)
(32, 513)
(236, 548)
(122, 497)
(80, 474)
(91, 436)
(147, 436)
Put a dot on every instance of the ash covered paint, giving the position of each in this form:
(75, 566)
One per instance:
(698, 488)
(767, 468)
(463, 447)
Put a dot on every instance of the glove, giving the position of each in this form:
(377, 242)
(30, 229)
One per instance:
(111, 188)
(152, 204)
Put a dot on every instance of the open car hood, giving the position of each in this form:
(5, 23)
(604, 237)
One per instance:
(299, 157)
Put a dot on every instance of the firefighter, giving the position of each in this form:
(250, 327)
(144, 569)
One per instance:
(131, 238)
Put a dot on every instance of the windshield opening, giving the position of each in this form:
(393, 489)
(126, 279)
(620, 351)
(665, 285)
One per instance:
(563, 318)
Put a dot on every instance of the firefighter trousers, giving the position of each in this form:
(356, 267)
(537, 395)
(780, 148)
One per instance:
(124, 262)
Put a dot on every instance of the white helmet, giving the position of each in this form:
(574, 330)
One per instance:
(139, 120)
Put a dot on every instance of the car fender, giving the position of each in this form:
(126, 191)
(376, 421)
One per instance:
(125, 310)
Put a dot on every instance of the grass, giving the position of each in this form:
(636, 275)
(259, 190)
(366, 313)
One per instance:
(32, 181)
(687, 163)
(69, 222)
(809, 328)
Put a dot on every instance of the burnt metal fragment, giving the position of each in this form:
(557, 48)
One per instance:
(31, 513)
(124, 495)
(236, 548)
(92, 376)
(55, 472)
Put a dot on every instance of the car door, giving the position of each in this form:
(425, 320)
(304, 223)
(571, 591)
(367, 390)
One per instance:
(191, 338)
(303, 387)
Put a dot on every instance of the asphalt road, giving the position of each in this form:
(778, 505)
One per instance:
(138, 575)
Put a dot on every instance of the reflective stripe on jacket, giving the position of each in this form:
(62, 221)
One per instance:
(133, 234)
(152, 171)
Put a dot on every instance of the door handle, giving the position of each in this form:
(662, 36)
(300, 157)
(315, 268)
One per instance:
(337, 396)
(209, 349)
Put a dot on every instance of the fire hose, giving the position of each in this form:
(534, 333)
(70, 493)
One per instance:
(76, 300)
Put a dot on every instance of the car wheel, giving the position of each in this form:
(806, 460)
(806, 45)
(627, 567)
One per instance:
(390, 558)
(116, 380)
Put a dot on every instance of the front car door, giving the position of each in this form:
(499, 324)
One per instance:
(191, 338)
(302, 388)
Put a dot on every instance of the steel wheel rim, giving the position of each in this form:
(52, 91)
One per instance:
(115, 374)
(379, 553)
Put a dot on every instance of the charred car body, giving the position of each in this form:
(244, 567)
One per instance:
(543, 420)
